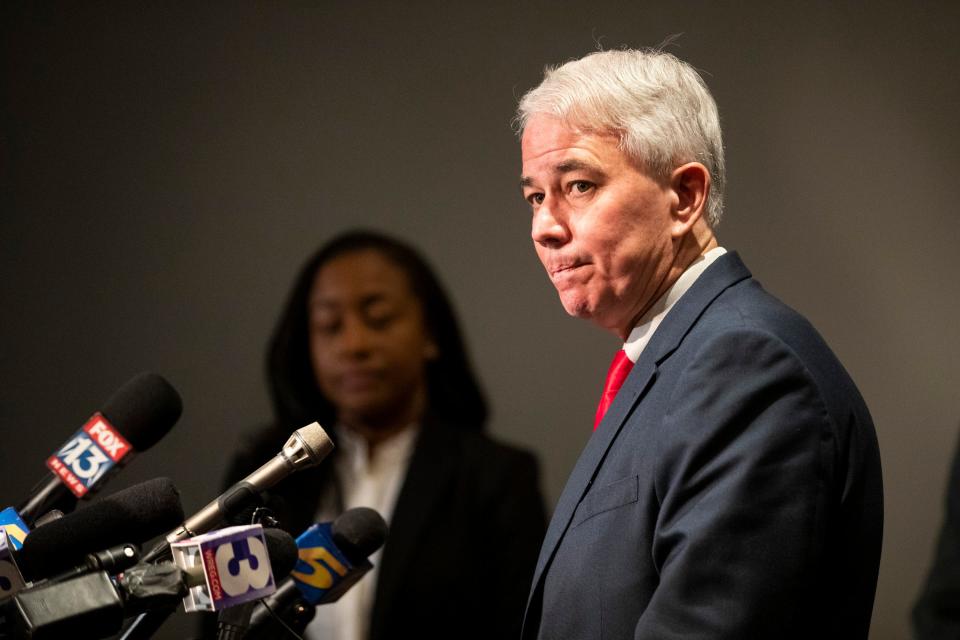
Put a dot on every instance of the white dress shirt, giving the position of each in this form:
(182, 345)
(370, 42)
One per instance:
(641, 334)
(365, 481)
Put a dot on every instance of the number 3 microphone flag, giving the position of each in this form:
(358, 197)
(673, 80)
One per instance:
(235, 564)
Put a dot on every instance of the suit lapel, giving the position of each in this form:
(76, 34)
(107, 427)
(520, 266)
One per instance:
(592, 456)
(724, 272)
(430, 469)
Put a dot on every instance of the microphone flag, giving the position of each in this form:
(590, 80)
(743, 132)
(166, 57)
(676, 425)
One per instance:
(235, 565)
(323, 572)
(92, 451)
(15, 527)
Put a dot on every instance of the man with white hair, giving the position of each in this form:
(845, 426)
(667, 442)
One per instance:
(731, 487)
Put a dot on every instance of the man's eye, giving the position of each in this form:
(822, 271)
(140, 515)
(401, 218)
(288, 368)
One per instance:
(581, 186)
(535, 198)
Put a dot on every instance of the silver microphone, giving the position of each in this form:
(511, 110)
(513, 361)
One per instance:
(306, 447)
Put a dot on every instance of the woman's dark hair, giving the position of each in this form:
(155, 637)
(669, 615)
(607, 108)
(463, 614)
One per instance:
(453, 394)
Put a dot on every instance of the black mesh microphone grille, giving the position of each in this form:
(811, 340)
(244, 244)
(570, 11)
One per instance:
(358, 532)
(283, 552)
(133, 515)
(143, 410)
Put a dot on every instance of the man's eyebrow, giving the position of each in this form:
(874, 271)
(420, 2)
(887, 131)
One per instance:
(574, 165)
(566, 166)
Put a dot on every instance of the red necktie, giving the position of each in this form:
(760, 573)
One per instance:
(618, 372)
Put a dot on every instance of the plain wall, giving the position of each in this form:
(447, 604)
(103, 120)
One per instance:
(163, 174)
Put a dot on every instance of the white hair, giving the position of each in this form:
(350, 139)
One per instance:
(658, 105)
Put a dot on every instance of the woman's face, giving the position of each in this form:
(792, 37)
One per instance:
(368, 343)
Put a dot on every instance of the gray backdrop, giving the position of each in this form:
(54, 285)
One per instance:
(165, 172)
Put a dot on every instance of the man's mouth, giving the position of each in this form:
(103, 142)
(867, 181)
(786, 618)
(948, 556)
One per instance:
(561, 270)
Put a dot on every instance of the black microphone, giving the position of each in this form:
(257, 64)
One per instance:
(333, 558)
(305, 448)
(151, 587)
(134, 515)
(133, 419)
(233, 622)
(94, 606)
(283, 552)
(359, 532)
(356, 534)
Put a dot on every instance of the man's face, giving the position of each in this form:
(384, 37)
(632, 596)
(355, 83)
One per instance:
(601, 226)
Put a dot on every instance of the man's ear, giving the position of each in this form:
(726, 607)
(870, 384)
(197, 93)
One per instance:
(690, 184)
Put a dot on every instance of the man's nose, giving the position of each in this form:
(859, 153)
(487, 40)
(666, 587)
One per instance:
(549, 226)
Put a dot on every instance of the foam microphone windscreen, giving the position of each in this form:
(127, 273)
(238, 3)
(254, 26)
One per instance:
(283, 552)
(143, 410)
(133, 515)
(358, 532)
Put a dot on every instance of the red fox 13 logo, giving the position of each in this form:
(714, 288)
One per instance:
(88, 455)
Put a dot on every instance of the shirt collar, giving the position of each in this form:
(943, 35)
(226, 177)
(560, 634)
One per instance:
(394, 450)
(641, 334)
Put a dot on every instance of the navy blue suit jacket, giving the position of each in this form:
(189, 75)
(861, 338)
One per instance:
(732, 490)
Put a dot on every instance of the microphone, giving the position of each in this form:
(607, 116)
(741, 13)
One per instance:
(134, 515)
(305, 448)
(114, 560)
(133, 419)
(11, 580)
(332, 558)
(165, 584)
(49, 516)
(234, 621)
(97, 606)
(231, 566)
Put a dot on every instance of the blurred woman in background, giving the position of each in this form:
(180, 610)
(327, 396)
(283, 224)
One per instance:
(369, 346)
